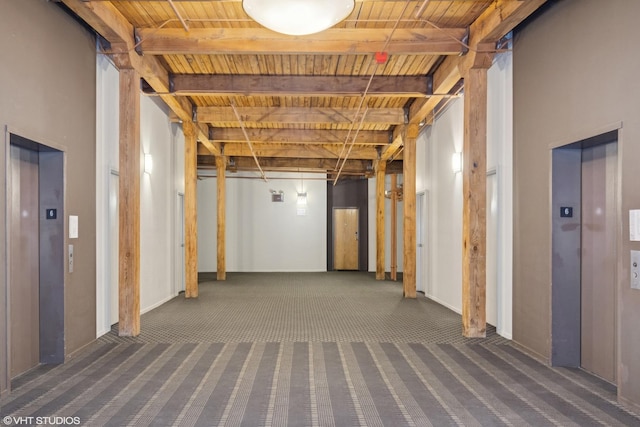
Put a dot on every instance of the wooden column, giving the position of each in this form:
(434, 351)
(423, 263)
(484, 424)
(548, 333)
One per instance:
(221, 166)
(129, 205)
(381, 169)
(190, 210)
(394, 227)
(409, 197)
(474, 221)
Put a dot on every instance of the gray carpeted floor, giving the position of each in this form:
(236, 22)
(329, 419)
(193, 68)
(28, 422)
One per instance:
(313, 349)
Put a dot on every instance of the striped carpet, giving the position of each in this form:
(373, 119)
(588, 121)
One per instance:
(193, 366)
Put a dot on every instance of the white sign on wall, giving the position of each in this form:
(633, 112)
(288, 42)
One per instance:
(634, 225)
(73, 226)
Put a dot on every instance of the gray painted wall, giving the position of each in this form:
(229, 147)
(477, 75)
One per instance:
(47, 94)
(574, 77)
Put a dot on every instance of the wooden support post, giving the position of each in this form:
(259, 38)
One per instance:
(190, 210)
(409, 197)
(221, 166)
(381, 169)
(129, 205)
(474, 204)
(394, 227)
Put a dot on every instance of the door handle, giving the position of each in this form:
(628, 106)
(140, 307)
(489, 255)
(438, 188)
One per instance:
(356, 235)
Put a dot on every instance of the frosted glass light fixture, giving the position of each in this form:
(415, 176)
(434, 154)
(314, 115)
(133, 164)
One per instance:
(148, 163)
(302, 199)
(456, 162)
(298, 17)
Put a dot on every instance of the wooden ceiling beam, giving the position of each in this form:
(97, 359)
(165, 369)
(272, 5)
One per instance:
(390, 150)
(334, 41)
(494, 23)
(298, 136)
(294, 151)
(234, 1)
(300, 115)
(261, 85)
(352, 166)
(114, 27)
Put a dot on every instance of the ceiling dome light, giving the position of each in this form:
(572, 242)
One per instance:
(298, 17)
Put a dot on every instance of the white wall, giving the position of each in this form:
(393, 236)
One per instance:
(500, 159)
(158, 195)
(263, 235)
(387, 227)
(435, 147)
(157, 205)
(107, 122)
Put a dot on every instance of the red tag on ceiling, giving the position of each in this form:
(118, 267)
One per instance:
(381, 57)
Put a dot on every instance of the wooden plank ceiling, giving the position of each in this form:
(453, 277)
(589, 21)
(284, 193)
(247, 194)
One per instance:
(304, 102)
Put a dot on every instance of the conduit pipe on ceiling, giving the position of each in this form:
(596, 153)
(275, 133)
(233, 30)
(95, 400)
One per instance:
(364, 95)
(175, 10)
(246, 136)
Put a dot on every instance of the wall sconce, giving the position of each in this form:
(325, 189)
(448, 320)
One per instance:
(302, 199)
(456, 162)
(148, 163)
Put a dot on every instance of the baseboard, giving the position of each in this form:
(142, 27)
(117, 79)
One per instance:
(630, 406)
(532, 353)
(508, 336)
(102, 332)
(158, 304)
(444, 304)
(73, 354)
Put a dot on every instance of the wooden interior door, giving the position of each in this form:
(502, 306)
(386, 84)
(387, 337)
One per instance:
(345, 238)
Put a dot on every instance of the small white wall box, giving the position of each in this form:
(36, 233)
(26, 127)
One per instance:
(73, 226)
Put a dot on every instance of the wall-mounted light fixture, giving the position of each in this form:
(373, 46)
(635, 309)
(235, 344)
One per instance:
(148, 163)
(298, 17)
(456, 162)
(302, 199)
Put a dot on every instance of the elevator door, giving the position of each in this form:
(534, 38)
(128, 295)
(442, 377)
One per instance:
(24, 280)
(598, 264)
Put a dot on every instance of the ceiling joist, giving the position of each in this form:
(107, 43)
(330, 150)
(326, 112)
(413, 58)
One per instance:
(334, 41)
(261, 85)
(300, 115)
(298, 136)
(295, 165)
(294, 151)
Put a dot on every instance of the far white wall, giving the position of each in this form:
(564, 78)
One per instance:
(262, 235)
(158, 196)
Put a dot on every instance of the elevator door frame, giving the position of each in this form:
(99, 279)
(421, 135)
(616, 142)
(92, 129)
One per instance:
(566, 307)
(53, 255)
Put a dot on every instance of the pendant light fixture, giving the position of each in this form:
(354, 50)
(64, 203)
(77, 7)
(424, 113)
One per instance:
(298, 17)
